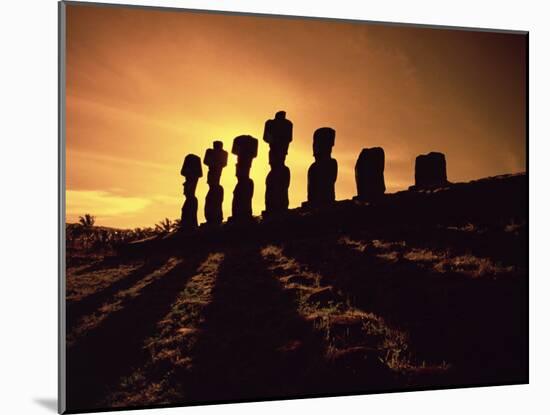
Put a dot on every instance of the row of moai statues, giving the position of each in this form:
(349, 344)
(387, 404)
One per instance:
(430, 171)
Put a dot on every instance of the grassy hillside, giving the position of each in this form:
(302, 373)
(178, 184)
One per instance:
(423, 289)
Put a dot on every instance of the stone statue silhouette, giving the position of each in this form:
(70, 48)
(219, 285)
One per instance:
(430, 171)
(192, 171)
(245, 147)
(278, 134)
(369, 174)
(322, 174)
(216, 159)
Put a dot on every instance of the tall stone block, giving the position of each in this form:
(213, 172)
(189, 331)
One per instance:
(245, 147)
(192, 171)
(369, 174)
(322, 174)
(278, 134)
(430, 171)
(216, 159)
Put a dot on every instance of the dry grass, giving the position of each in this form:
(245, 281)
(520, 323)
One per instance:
(469, 227)
(515, 227)
(92, 321)
(441, 261)
(343, 326)
(444, 261)
(170, 346)
(81, 283)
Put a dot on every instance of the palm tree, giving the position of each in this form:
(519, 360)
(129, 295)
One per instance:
(164, 226)
(87, 221)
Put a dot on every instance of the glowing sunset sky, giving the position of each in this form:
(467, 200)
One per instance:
(146, 87)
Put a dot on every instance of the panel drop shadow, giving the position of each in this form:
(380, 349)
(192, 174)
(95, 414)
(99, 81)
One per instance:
(49, 403)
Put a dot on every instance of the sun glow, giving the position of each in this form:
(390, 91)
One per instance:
(146, 87)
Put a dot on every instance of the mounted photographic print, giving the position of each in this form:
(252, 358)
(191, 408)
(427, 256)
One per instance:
(259, 207)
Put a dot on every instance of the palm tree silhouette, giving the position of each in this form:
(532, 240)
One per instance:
(164, 226)
(87, 220)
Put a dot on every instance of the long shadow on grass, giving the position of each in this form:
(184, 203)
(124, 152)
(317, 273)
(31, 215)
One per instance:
(478, 325)
(106, 262)
(96, 363)
(254, 344)
(87, 305)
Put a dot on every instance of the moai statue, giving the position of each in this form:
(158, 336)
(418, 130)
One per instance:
(369, 174)
(216, 159)
(278, 134)
(192, 171)
(430, 171)
(245, 147)
(322, 174)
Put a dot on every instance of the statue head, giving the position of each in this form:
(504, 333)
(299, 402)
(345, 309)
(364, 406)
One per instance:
(191, 167)
(192, 171)
(323, 141)
(280, 115)
(245, 147)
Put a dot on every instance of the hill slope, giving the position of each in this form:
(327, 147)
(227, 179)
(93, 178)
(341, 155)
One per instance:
(423, 289)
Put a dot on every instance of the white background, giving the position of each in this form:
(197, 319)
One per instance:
(28, 203)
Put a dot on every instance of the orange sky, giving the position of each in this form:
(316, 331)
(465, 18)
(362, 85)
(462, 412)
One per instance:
(146, 87)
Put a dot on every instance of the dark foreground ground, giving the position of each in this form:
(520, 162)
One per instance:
(422, 290)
